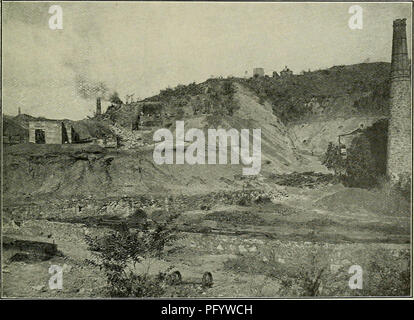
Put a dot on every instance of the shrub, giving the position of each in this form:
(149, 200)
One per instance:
(394, 198)
(333, 160)
(387, 274)
(309, 273)
(365, 163)
(118, 252)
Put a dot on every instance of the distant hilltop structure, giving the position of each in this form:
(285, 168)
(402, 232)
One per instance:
(399, 129)
(258, 72)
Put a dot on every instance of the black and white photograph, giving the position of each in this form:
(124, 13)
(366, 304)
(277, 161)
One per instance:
(198, 150)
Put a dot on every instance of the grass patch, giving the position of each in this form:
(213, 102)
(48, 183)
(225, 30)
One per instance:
(303, 179)
(236, 217)
(308, 271)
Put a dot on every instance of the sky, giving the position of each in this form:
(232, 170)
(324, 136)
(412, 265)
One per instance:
(141, 48)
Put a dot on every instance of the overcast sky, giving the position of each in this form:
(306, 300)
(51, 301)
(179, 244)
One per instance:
(141, 48)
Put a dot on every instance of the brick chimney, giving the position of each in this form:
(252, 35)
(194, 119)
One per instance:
(98, 106)
(399, 129)
(400, 66)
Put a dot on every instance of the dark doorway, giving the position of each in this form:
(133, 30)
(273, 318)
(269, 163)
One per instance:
(40, 136)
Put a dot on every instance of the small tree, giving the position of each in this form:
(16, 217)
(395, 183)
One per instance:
(118, 252)
(333, 160)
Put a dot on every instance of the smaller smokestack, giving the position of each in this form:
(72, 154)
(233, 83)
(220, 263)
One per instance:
(19, 111)
(98, 106)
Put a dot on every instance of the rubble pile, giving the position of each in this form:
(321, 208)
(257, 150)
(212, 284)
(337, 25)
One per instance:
(129, 139)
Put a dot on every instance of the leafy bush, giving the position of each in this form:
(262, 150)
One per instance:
(365, 163)
(387, 274)
(332, 159)
(118, 253)
(310, 273)
(307, 274)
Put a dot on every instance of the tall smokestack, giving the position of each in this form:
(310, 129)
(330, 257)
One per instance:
(399, 60)
(399, 129)
(98, 106)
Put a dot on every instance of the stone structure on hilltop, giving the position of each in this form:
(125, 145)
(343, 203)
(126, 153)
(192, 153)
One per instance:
(275, 75)
(258, 72)
(399, 130)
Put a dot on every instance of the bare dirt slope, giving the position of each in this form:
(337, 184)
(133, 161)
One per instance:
(314, 136)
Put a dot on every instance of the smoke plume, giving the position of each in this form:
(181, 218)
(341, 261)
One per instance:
(88, 89)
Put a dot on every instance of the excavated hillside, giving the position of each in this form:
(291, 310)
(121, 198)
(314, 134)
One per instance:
(266, 103)
(82, 170)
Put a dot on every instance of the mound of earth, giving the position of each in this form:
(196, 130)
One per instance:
(362, 200)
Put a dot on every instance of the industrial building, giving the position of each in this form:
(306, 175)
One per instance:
(51, 132)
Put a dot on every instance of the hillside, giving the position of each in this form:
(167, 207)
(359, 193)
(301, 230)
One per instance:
(340, 91)
(310, 109)
(326, 103)
(12, 127)
(73, 170)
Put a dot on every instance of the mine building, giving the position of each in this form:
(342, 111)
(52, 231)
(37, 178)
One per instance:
(51, 132)
(345, 139)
